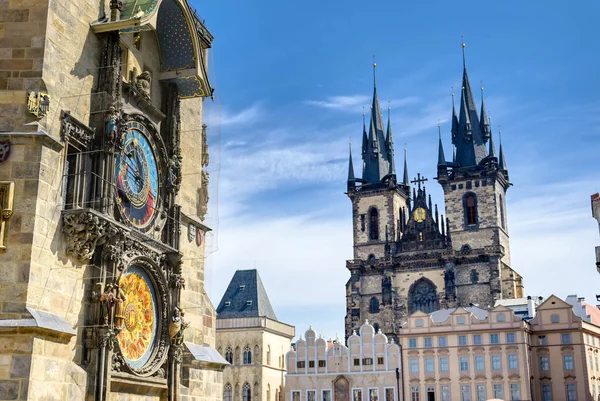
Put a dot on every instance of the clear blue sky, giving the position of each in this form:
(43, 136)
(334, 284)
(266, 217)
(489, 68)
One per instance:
(291, 79)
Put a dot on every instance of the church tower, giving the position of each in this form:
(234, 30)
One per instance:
(475, 184)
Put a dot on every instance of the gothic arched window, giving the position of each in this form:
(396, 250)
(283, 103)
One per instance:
(227, 394)
(374, 305)
(373, 224)
(247, 356)
(268, 354)
(422, 296)
(474, 276)
(229, 355)
(376, 327)
(246, 392)
(470, 206)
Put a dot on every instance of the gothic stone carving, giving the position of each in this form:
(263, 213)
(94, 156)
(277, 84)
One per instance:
(4, 150)
(72, 128)
(7, 192)
(83, 232)
(203, 196)
(143, 84)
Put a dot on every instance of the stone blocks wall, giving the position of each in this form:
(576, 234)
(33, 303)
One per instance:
(15, 367)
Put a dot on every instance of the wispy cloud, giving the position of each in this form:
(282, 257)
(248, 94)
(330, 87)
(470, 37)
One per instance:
(225, 117)
(351, 103)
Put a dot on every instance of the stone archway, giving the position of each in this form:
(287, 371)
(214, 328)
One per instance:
(341, 389)
(422, 296)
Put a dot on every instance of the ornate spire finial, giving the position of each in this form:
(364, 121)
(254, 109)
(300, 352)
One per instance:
(463, 51)
(481, 83)
(374, 71)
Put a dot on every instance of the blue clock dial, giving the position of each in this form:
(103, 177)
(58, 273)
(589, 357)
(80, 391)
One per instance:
(137, 177)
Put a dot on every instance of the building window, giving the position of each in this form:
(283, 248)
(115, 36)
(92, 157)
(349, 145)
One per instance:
(500, 318)
(547, 392)
(566, 338)
(477, 339)
(295, 395)
(247, 356)
(229, 355)
(419, 323)
(374, 306)
(481, 393)
(460, 320)
(429, 368)
(367, 361)
(373, 224)
(430, 393)
(227, 393)
(326, 395)
(414, 365)
(311, 364)
(301, 364)
(571, 392)
(465, 392)
(246, 392)
(498, 391)
(544, 363)
(462, 340)
(389, 394)
(479, 363)
(414, 393)
(428, 342)
(357, 394)
(568, 362)
(542, 340)
(321, 363)
(356, 362)
(470, 205)
(412, 343)
(380, 360)
(494, 339)
(445, 389)
(311, 395)
(554, 318)
(502, 213)
(496, 362)
(464, 363)
(515, 391)
(373, 394)
(596, 359)
(268, 354)
(511, 338)
(512, 361)
(376, 328)
(443, 364)
(442, 342)
(422, 296)
(474, 276)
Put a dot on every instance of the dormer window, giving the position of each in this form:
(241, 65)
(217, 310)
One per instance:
(242, 287)
(248, 303)
(227, 303)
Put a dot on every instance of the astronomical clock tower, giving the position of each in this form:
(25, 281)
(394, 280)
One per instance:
(104, 172)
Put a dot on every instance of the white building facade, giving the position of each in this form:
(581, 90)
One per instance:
(365, 370)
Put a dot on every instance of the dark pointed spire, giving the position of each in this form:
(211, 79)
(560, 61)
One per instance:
(376, 158)
(350, 166)
(454, 155)
(405, 180)
(501, 161)
(492, 148)
(443, 226)
(365, 140)
(389, 142)
(441, 156)
(429, 201)
(484, 123)
(437, 216)
(454, 129)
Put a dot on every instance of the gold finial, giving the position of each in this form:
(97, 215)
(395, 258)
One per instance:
(374, 63)
(389, 105)
(364, 111)
(481, 83)
(463, 51)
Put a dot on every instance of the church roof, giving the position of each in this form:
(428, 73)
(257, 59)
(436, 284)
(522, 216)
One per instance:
(245, 297)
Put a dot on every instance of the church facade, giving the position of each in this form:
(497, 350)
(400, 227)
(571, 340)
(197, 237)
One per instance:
(408, 256)
(104, 191)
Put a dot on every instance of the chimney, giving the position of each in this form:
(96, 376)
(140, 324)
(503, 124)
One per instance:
(530, 307)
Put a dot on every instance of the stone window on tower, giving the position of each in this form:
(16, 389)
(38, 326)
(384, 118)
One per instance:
(474, 276)
(502, 223)
(470, 208)
(247, 356)
(246, 392)
(227, 395)
(374, 305)
(422, 296)
(229, 355)
(373, 224)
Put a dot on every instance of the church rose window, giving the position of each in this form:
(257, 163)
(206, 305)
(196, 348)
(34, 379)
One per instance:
(373, 224)
(470, 209)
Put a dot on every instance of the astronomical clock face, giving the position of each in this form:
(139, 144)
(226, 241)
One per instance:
(137, 177)
(419, 214)
(140, 317)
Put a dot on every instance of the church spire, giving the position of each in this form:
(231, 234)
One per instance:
(441, 156)
(484, 124)
(389, 142)
(351, 178)
(454, 122)
(365, 140)
(405, 179)
(376, 158)
(501, 161)
(492, 149)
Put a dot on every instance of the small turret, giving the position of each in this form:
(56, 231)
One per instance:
(484, 124)
(389, 144)
(501, 161)
(351, 178)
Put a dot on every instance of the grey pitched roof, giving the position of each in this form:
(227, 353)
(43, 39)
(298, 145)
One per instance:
(443, 314)
(205, 353)
(245, 297)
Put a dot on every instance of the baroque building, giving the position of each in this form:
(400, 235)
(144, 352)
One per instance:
(408, 256)
(103, 202)
(252, 340)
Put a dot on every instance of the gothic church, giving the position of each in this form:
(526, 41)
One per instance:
(407, 255)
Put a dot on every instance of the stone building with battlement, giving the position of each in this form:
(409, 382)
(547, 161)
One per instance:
(104, 191)
(408, 256)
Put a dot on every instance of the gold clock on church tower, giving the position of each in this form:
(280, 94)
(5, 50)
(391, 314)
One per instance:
(419, 214)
